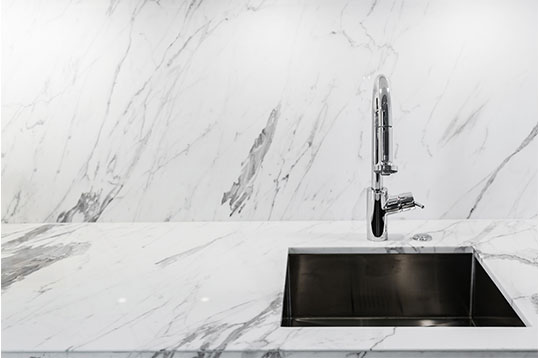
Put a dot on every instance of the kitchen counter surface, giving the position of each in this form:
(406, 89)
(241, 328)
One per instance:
(216, 289)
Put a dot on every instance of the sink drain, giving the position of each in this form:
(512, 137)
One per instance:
(422, 237)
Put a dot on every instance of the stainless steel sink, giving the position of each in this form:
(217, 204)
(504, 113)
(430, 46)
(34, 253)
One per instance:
(392, 289)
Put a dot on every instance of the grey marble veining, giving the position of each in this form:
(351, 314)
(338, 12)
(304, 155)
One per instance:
(260, 110)
(279, 354)
(216, 290)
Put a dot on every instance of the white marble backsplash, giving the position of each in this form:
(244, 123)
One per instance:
(260, 110)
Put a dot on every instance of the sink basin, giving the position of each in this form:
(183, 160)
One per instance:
(392, 289)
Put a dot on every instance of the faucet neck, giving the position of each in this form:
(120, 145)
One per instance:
(381, 132)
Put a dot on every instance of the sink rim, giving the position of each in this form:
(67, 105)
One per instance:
(395, 249)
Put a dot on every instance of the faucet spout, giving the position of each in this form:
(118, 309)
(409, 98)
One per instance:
(379, 204)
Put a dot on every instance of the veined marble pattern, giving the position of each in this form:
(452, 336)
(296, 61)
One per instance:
(260, 109)
(211, 290)
(277, 354)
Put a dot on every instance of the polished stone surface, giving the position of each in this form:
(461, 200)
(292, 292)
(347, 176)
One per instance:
(122, 111)
(216, 289)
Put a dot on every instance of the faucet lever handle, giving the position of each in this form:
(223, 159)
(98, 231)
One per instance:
(401, 202)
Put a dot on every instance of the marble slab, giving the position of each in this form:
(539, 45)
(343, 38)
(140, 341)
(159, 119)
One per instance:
(165, 110)
(216, 289)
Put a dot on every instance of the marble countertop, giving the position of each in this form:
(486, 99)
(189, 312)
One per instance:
(216, 289)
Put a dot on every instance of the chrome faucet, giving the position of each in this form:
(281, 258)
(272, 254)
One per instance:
(379, 204)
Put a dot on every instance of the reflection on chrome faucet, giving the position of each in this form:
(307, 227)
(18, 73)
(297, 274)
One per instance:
(379, 204)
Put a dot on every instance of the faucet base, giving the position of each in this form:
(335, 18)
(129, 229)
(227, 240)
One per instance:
(384, 237)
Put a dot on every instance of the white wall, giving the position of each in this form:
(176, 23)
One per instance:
(152, 110)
